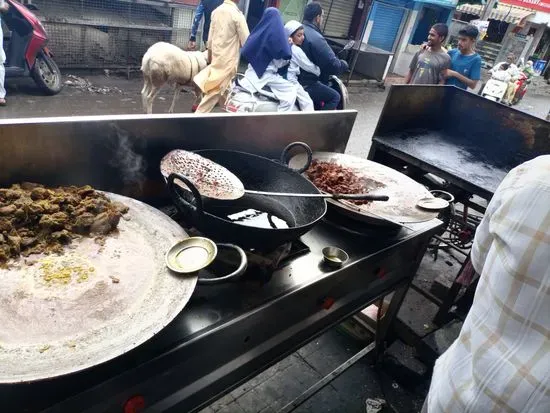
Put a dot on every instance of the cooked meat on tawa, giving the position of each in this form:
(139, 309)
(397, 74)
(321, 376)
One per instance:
(332, 178)
(35, 219)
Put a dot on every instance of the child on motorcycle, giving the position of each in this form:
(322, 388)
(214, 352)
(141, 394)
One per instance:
(299, 61)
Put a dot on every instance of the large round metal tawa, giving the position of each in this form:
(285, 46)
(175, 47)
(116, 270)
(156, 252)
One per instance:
(120, 294)
(403, 191)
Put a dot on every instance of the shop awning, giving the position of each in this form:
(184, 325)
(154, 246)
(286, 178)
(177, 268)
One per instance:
(505, 13)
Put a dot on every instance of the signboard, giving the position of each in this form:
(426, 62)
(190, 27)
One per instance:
(539, 5)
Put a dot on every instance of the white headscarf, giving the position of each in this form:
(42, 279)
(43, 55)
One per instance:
(292, 26)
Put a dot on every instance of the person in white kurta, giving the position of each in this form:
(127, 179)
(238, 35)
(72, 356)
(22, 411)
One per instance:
(3, 8)
(267, 50)
(299, 61)
(500, 361)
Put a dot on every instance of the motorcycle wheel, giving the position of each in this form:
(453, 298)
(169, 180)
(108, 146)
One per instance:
(46, 74)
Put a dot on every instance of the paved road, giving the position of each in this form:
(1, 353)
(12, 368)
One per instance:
(123, 97)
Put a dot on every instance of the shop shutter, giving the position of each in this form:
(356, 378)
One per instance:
(386, 24)
(338, 17)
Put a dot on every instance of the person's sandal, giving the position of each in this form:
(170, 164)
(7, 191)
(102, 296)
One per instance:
(3, 102)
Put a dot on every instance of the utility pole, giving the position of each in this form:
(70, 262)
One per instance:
(489, 6)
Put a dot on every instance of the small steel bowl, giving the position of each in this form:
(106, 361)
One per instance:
(334, 256)
(191, 255)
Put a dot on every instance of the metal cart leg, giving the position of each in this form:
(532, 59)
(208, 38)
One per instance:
(443, 313)
(383, 326)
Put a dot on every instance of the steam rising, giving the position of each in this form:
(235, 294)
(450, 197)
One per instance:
(130, 164)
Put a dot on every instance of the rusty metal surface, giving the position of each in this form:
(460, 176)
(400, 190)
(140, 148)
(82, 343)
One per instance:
(404, 192)
(469, 140)
(50, 329)
(497, 129)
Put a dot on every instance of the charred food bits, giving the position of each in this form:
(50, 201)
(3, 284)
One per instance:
(35, 219)
(332, 178)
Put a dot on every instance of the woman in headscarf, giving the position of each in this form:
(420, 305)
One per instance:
(267, 50)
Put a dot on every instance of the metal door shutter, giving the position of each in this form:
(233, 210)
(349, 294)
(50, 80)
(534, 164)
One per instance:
(386, 24)
(338, 17)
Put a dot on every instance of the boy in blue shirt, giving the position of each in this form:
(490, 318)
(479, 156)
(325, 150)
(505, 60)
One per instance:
(465, 69)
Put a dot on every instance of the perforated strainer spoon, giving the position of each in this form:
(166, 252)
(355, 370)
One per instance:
(214, 181)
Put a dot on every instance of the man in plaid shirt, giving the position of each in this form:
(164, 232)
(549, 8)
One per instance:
(500, 362)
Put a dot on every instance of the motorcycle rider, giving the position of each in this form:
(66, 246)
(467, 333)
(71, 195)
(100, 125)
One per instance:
(299, 62)
(267, 50)
(514, 73)
(3, 9)
(319, 52)
(502, 73)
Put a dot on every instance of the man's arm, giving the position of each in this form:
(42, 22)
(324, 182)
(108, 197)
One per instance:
(466, 80)
(199, 12)
(328, 61)
(412, 67)
(242, 29)
(443, 74)
(496, 68)
(475, 74)
(516, 218)
(303, 61)
(211, 35)
(408, 77)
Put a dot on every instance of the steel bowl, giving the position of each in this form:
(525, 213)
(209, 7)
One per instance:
(191, 255)
(334, 256)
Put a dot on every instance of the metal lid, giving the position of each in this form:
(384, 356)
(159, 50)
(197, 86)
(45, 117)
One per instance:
(433, 204)
(191, 255)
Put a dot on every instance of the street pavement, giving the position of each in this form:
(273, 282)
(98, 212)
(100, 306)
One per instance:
(111, 95)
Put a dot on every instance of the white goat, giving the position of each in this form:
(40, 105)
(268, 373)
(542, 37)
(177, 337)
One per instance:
(166, 63)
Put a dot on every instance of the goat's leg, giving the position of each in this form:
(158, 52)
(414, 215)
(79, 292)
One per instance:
(197, 93)
(177, 91)
(153, 92)
(145, 92)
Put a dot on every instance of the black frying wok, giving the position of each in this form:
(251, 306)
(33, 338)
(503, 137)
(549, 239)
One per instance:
(273, 221)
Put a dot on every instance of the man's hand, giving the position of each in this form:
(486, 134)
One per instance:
(4, 8)
(191, 45)
(448, 73)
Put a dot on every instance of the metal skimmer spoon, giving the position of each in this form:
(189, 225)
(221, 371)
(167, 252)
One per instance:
(214, 181)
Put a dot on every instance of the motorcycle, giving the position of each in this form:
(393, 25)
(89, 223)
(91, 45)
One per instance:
(494, 90)
(521, 88)
(27, 54)
(240, 99)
